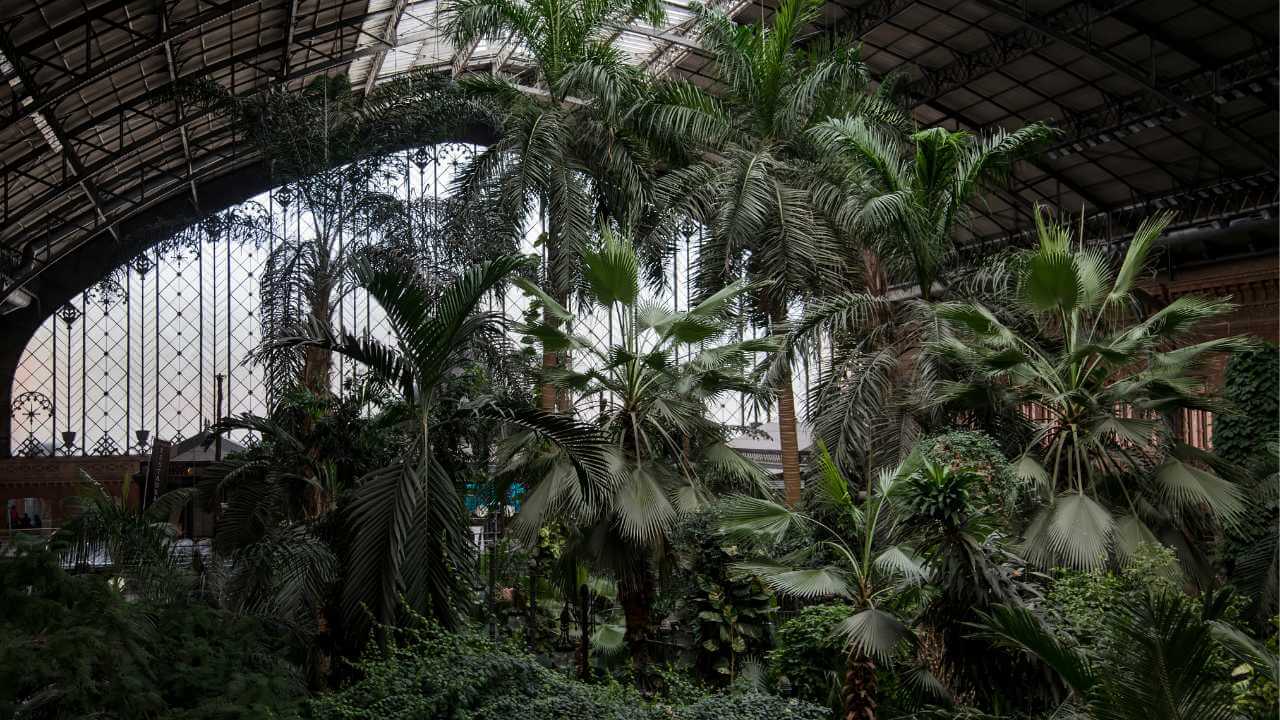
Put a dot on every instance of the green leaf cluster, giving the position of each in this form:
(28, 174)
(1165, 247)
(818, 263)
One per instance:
(808, 655)
(426, 673)
(1251, 384)
(74, 646)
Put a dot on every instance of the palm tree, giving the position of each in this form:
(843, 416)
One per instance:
(865, 558)
(134, 540)
(563, 150)
(909, 202)
(1162, 665)
(406, 526)
(745, 168)
(327, 147)
(1110, 468)
(650, 392)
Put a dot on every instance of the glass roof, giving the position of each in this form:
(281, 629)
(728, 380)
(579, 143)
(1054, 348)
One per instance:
(401, 35)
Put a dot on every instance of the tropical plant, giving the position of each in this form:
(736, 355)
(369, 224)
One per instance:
(123, 534)
(745, 168)
(83, 644)
(908, 203)
(426, 673)
(650, 391)
(808, 656)
(871, 569)
(1162, 664)
(563, 150)
(407, 531)
(729, 618)
(1110, 383)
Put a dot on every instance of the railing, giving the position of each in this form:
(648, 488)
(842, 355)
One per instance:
(1193, 427)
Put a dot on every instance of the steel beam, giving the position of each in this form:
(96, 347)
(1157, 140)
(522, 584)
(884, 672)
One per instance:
(388, 39)
(126, 56)
(177, 105)
(68, 151)
(291, 19)
(1218, 202)
(1255, 74)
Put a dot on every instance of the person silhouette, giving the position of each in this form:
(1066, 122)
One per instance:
(25, 522)
(35, 521)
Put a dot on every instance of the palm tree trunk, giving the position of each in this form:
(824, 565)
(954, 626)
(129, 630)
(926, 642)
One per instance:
(583, 658)
(547, 400)
(787, 438)
(317, 363)
(858, 693)
(635, 594)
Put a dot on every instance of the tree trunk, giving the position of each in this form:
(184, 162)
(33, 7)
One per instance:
(858, 693)
(635, 594)
(317, 363)
(583, 657)
(316, 366)
(787, 438)
(548, 399)
(873, 273)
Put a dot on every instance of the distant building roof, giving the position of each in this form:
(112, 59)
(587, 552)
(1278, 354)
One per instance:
(765, 439)
(193, 449)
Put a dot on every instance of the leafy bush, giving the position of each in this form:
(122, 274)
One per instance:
(808, 658)
(1251, 384)
(728, 616)
(1079, 603)
(74, 646)
(998, 490)
(425, 673)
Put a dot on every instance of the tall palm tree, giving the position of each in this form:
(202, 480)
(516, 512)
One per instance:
(1112, 381)
(745, 168)
(406, 524)
(650, 392)
(908, 202)
(866, 561)
(563, 150)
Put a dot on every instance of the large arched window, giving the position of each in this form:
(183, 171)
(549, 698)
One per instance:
(143, 354)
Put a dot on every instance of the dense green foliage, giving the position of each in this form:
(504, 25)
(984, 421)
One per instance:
(74, 646)
(729, 615)
(1251, 384)
(1002, 518)
(807, 657)
(428, 674)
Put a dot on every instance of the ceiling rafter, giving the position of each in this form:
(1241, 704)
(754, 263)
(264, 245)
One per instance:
(290, 24)
(668, 55)
(148, 98)
(967, 67)
(128, 55)
(1217, 203)
(1124, 68)
(1255, 74)
(63, 144)
(177, 105)
(388, 39)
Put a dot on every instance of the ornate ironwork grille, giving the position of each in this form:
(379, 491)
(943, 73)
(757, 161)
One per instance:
(139, 356)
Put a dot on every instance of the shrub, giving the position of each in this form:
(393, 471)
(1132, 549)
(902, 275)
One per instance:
(728, 616)
(74, 646)
(998, 491)
(808, 658)
(426, 673)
